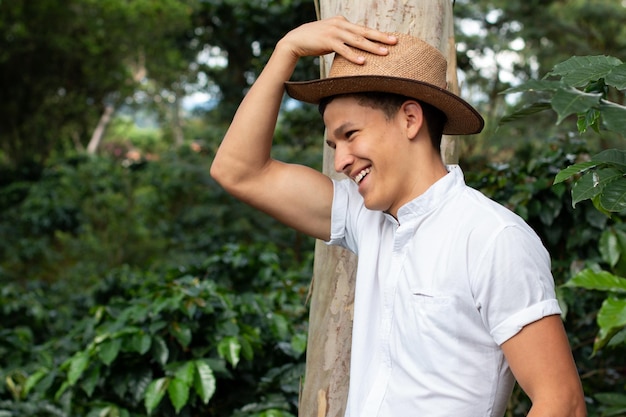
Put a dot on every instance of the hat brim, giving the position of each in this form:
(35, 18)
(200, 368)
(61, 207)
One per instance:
(463, 119)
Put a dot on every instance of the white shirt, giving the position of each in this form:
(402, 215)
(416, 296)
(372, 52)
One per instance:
(437, 293)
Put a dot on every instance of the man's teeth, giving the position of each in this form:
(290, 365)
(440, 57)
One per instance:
(361, 175)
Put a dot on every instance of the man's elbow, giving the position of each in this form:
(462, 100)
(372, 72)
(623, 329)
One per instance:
(217, 171)
(236, 180)
(224, 175)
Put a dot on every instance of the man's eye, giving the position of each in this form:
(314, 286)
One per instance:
(331, 144)
(350, 133)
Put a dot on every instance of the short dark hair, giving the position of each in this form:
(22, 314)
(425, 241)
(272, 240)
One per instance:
(390, 103)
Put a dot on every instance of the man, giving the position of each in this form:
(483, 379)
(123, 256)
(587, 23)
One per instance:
(454, 294)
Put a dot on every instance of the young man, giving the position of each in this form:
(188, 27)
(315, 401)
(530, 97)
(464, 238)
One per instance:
(454, 295)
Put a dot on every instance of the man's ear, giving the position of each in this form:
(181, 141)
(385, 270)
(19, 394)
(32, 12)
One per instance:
(413, 116)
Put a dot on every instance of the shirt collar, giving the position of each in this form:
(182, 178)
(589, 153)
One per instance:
(434, 197)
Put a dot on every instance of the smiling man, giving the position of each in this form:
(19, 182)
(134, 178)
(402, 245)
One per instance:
(454, 296)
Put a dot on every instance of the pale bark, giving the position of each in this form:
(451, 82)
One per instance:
(98, 133)
(138, 70)
(330, 323)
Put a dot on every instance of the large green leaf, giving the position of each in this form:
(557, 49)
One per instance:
(570, 101)
(598, 280)
(204, 381)
(578, 71)
(178, 391)
(154, 394)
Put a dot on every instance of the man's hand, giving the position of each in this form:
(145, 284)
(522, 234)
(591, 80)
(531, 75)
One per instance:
(335, 35)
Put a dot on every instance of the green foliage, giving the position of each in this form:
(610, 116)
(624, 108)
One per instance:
(85, 216)
(571, 235)
(62, 62)
(160, 344)
(582, 89)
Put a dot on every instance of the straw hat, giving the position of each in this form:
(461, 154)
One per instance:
(412, 68)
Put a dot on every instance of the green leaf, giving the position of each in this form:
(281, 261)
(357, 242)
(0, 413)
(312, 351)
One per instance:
(33, 379)
(155, 392)
(228, 349)
(108, 350)
(140, 380)
(578, 71)
(610, 247)
(160, 351)
(611, 398)
(526, 111)
(89, 382)
(598, 280)
(587, 187)
(298, 343)
(178, 391)
(182, 333)
(570, 101)
(78, 364)
(613, 196)
(614, 117)
(590, 118)
(616, 157)
(185, 372)
(611, 318)
(64, 386)
(141, 342)
(574, 170)
(204, 381)
(279, 326)
(618, 338)
(247, 351)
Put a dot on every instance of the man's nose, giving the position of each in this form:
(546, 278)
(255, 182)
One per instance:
(343, 160)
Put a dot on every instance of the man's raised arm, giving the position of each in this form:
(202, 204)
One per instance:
(298, 196)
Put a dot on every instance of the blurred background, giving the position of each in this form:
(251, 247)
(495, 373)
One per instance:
(131, 284)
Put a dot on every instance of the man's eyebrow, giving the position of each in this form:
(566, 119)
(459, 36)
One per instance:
(338, 132)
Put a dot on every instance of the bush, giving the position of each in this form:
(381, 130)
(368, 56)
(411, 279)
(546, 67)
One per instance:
(226, 338)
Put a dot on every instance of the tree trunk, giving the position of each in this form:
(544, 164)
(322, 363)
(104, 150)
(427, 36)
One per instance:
(98, 133)
(325, 387)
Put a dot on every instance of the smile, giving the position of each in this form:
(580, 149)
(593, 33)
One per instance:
(361, 175)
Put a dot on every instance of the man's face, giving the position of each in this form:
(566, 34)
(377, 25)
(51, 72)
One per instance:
(372, 151)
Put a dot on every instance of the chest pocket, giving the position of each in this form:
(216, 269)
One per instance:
(432, 329)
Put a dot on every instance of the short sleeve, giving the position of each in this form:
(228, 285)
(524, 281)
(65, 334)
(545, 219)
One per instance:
(513, 283)
(345, 204)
